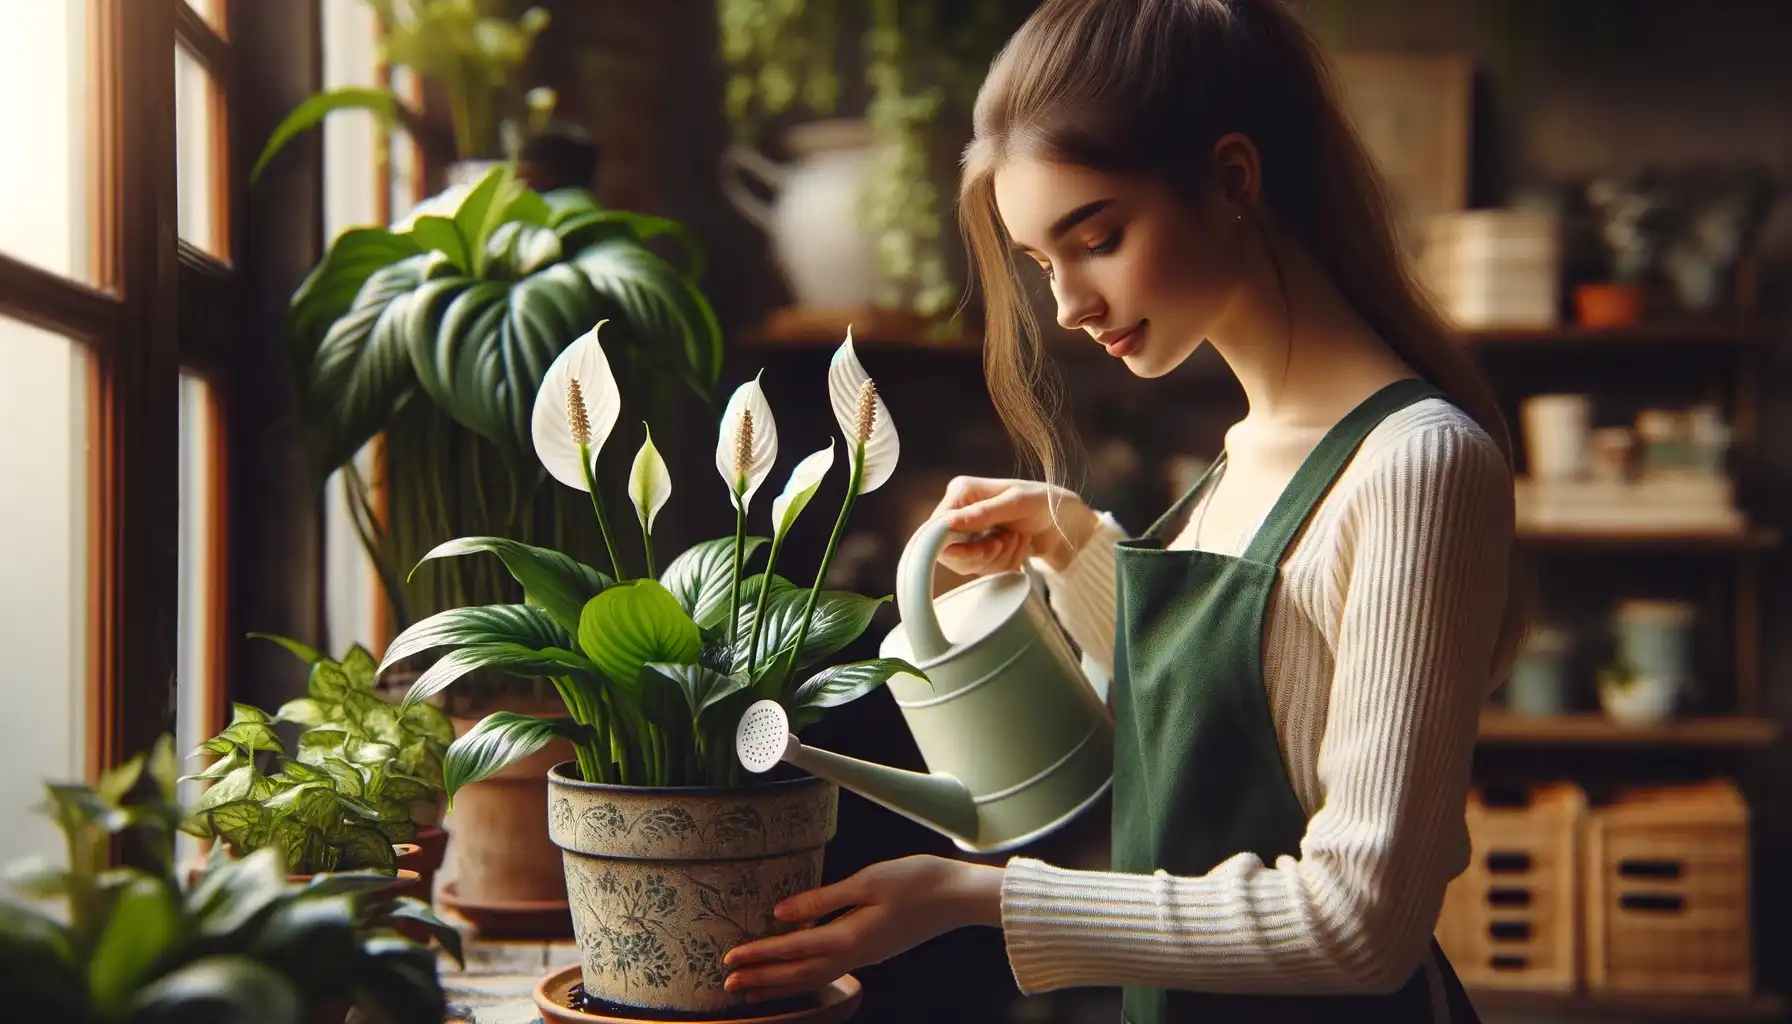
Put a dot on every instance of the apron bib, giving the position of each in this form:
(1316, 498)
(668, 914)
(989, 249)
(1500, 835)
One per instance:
(1198, 769)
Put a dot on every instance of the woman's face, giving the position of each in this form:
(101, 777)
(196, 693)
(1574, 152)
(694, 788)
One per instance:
(1145, 271)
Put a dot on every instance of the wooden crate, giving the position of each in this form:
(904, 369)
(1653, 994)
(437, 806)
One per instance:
(1667, 892)
(1510, 921)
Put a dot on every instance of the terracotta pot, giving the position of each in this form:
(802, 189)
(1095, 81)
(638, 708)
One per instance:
(502, 854)
(1608, 304)
(432, 843)
(663, 882)
(555, 994)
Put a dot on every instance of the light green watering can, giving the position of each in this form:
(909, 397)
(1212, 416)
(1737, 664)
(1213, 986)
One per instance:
(1017, 741)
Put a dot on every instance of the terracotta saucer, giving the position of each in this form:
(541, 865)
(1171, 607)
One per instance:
(548, 919)
(837, 1003)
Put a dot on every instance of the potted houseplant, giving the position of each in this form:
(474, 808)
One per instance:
(344, 804)
(433, 334)
(340, 708)
(673, 854)
(241, 942)
(474, 55)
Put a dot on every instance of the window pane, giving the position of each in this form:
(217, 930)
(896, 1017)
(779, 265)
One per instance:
(197, 144)
(44, 623)
(196, 683)
(44, 112)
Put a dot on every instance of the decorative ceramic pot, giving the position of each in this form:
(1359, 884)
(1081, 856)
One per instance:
(663, 882)
(826, 257)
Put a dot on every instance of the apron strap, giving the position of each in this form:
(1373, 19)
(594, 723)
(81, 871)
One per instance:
(1320, 469)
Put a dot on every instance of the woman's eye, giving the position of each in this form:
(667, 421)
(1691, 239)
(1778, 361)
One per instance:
(1106, 245)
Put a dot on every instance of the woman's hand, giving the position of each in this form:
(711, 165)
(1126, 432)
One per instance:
(895, 906)
(1021, 516)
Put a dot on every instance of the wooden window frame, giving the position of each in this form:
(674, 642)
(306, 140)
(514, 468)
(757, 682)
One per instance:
(159, 306)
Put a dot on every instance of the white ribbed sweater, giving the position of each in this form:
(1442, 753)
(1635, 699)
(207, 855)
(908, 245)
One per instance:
(1377, 656)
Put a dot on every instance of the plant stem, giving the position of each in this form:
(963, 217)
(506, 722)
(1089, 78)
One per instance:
(597, 505)
(827, 558)
(765, 586)
(740, 539)
(647, 546)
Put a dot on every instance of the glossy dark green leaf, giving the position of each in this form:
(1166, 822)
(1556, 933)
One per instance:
(701, 688)
(144, 921)
(524, 625)
(339, 883)
(329, 290)
(654, 301)
(407, 908)
(361, 371)
(635, 623)
(518, 250)
(842, 684)
(839, 618)
(37, 973)
(702, 576)
(556, 583)
(500, 740)
(404, 987)
(510, 659)
(226, 989)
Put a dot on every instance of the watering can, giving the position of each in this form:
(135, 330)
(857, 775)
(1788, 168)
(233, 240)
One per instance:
(1016, 739)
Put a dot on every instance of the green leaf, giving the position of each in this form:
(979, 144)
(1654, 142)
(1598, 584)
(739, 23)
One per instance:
(361, 668)
(328, 683)
(530, 207)
(348, 778)
(245, 783)
(482, 209)
(635, 623)
(330, 289)
(550, 580)
(701, 576)
(441, 234)
(143, 924)
(581, 229)
(309, 655)
(322, 742)
(430, 723)
(843, 684)
(518, 250)
(512, 659)
(314, 803)
(657, 304)
(500, 740)
(238, 757)
(363, 847)
(244, 824)
(303, 711)
(702, 688)
(360, 372)
(523, 625)
(36, 965)
(249, 727)
(116, 783)
(409, 908)
(227, 989)
(300, 773)
(346, 883)
(372, 717)
(402, 986)
(839, 619)
(380, 102)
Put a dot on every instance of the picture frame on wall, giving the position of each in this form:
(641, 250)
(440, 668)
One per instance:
(1413, 113)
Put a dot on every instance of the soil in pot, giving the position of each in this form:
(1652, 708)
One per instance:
(561, 998)
(663, 882)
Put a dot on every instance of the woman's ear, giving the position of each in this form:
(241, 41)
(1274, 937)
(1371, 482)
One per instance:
(1235, 167)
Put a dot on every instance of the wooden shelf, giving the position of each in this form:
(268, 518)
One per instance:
(1502, 727)
(1765, 1006)
(794, 329)
(1758, 538)
(1715, 334)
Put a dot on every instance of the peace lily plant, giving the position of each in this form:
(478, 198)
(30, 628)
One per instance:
(655, 670)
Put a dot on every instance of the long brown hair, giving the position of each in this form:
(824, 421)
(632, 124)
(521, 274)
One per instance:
(1148, 87)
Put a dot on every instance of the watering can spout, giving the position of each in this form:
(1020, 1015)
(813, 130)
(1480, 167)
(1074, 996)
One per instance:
(939, 802)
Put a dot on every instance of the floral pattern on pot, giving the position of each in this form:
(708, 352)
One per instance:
(663, 882)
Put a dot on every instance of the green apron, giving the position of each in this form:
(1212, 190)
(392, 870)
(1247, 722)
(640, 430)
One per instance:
(1198, 770)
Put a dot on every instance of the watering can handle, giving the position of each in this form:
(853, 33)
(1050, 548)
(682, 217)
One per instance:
(914, 586)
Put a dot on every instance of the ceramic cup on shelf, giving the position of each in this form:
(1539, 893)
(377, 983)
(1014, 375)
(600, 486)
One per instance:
(1654, 639)
(1538, 682)
(1557, 431)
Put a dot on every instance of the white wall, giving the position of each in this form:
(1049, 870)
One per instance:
(43, 443)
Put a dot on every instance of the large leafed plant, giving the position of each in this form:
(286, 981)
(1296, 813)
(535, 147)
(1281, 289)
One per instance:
(655, 670)
(436, 332)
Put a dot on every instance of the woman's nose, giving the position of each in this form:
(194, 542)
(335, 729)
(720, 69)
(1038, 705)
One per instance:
(1076, 305)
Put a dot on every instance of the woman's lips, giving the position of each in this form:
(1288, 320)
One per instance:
(1126, 343)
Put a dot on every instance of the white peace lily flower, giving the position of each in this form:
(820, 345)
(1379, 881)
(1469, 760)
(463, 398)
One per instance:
(805, 480)
(748, 445)
(649, 482)
(578, 404)
(862, 416)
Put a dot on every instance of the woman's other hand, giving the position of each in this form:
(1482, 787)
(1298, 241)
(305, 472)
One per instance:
(1024, 518)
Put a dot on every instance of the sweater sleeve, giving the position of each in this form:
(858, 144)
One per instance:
(1082, 596)
(1425, 539)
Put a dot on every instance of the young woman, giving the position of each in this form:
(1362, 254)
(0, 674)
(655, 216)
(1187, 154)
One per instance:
(1301, 645)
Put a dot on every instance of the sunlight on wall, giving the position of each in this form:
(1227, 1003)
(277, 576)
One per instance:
(43, 438)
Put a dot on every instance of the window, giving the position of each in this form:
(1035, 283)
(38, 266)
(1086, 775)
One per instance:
(200, 655)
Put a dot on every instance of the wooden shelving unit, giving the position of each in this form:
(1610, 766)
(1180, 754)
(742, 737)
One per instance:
(1756, 539)
(1765, 1006)
(1594, 730)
